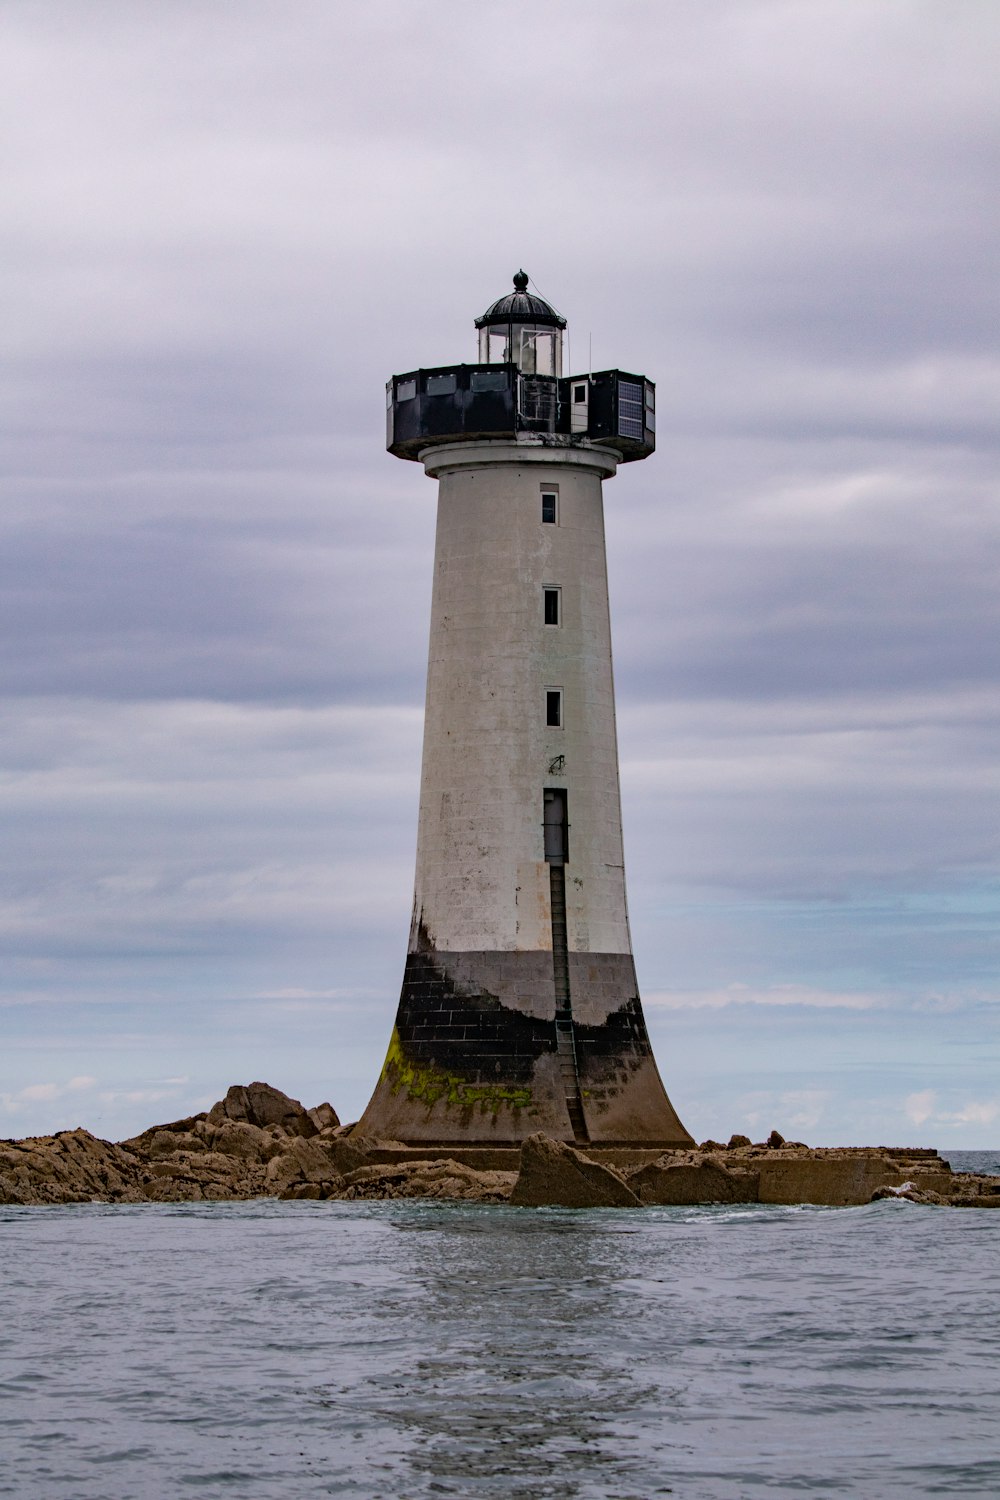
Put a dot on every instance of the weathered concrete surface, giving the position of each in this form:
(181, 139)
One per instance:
(833, 1180)
(689, 1180)
(554, 1173)
(790, 1172)
(779, 1171)
(227, 1153)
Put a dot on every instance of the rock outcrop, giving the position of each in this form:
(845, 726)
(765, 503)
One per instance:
(260, 1105)
(968, 1190)
(259, 1142)
(254, 1142)
(72, 1166)
(445, 1179)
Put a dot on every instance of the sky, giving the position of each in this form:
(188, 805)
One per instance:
(224, 227)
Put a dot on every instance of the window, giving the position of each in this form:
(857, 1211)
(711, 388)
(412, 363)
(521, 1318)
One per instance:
(579, 393)
(489, 380)
(441, 385)
(537, 351)
(550, 599)
(549, 504)
(553, 708)
(406, 390)
(498, 350)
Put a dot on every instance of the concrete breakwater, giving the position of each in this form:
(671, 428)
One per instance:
(258, 1142)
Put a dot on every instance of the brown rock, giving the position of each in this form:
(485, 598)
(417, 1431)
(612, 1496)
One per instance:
(308, 1190)
(261, 1105)
(909, 1192)
(554, 1173)
(775, 1140)
(735, 1141)
(159, 1189)
(317, 1159)
(348, 1155)
(166, 1142)
(10, 1193)
(244, 1141)
(72, 1166)
(219, 1155)
(444, 1179)
(301, 1161)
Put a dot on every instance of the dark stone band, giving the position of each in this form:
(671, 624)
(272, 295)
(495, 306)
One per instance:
(475, 1049)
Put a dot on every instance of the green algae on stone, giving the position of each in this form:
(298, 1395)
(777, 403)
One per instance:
(430, 1085)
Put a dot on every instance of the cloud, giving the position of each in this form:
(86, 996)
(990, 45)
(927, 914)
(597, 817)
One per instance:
(796, 1109)
(45, 1093)
(923, 1107)
(920, 1107)
(136, 1096)
(975, 1112)
(779, 995)
(36, 1091)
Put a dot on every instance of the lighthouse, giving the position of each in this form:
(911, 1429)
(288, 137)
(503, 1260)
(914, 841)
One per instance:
(519, 1009)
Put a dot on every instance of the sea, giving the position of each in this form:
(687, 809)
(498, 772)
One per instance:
(279, 1351)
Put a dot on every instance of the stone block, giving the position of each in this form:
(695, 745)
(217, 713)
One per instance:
(834, 1181)
(669, 1182)
(553, 1173)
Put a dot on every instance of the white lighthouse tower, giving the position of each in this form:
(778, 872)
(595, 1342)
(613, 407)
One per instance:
(519, 1009)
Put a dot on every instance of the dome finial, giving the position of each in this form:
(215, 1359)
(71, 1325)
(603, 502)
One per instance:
(521, 281)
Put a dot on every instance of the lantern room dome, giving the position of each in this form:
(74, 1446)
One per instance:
(521, 306)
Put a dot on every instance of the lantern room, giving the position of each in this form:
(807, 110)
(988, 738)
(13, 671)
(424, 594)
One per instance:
(522, 329)
(517, 391)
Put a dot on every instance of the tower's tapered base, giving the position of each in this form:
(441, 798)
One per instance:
(485, 1052)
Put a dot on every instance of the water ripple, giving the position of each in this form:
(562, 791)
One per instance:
(281, 1351)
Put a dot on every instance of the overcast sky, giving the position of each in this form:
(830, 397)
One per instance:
(223, 227)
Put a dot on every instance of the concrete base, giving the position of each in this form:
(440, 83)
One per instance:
(473, 1056)
(507, 1158)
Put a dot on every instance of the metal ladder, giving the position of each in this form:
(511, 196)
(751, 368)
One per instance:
(565, 1034)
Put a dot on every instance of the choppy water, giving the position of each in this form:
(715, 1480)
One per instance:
(278, 1351)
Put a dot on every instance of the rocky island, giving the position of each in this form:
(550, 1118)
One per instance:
(258, 1142)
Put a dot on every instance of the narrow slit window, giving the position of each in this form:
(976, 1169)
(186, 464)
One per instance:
(553, 708)
(552, 612)
(549, 503)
